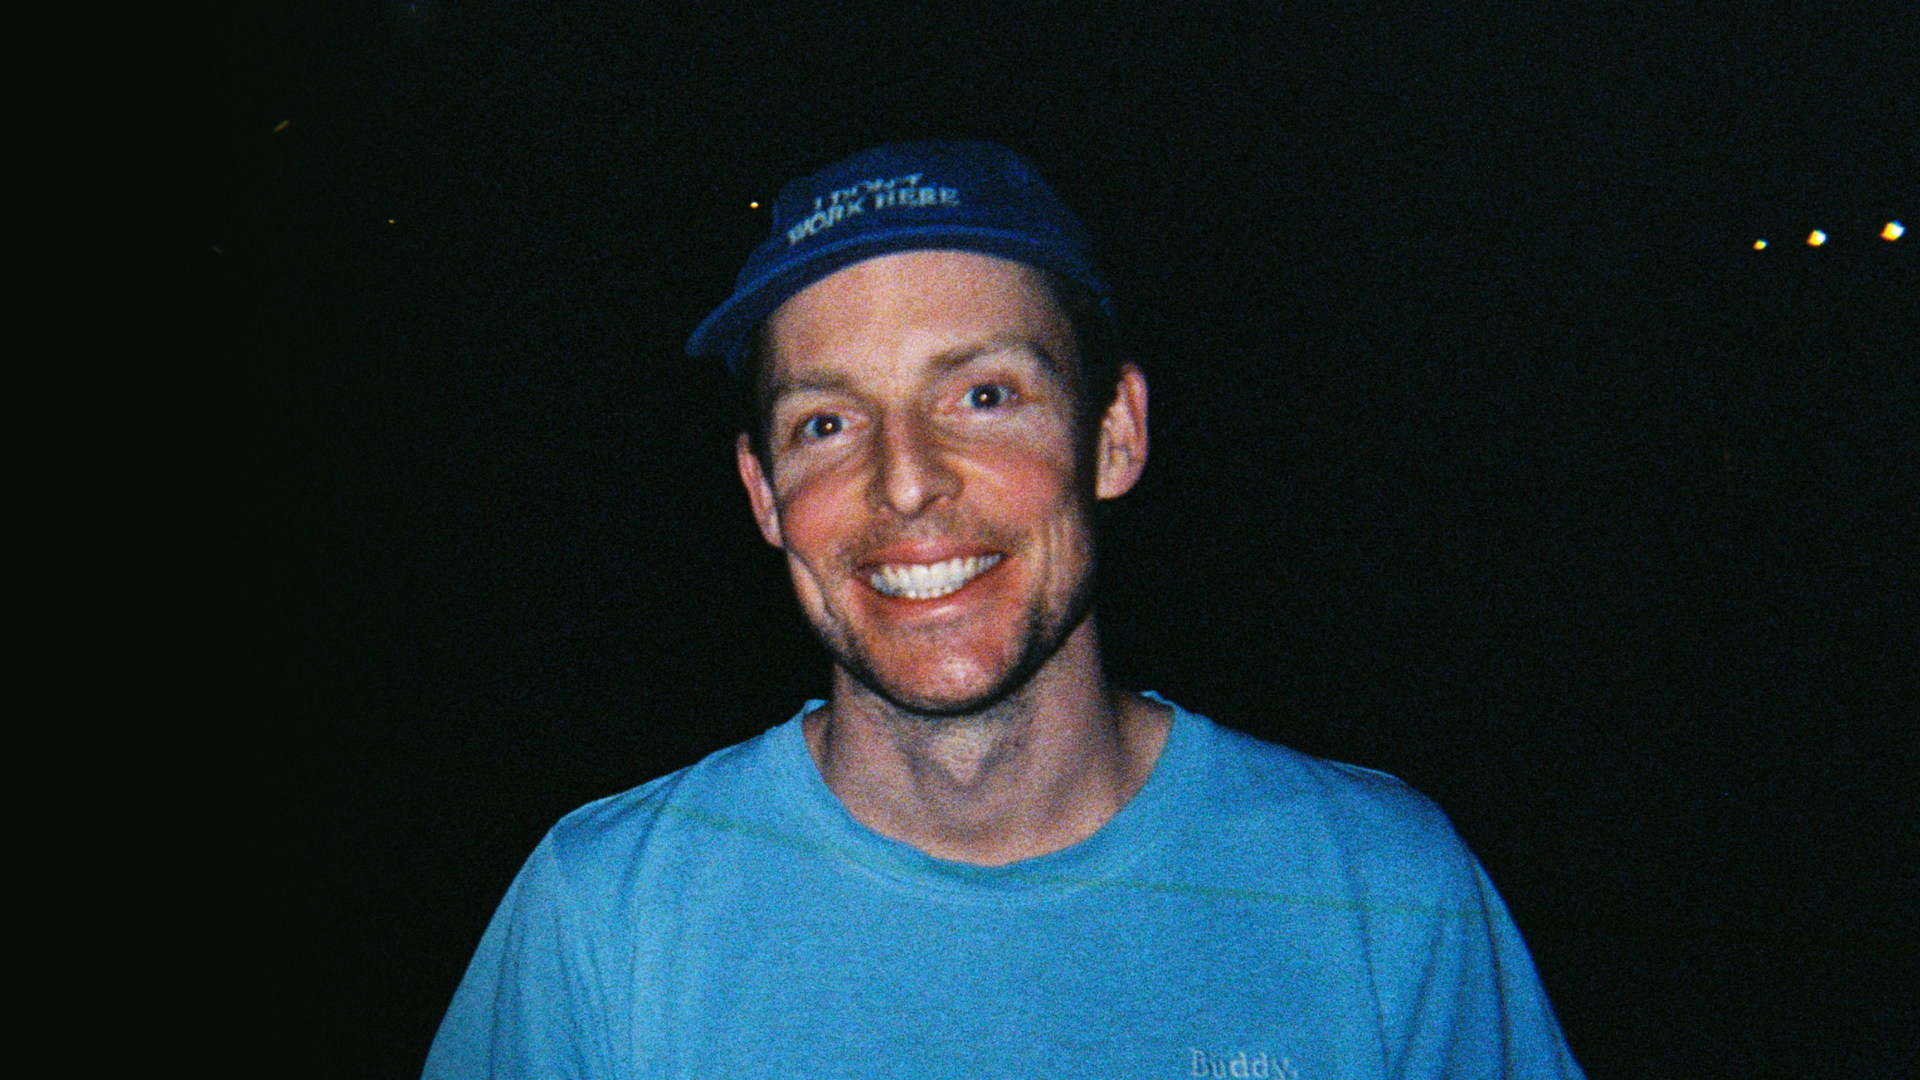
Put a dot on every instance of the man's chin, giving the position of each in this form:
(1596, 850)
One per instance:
(939, 702)
(959, 688)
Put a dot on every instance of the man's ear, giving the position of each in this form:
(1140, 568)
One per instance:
(759, 490)
(1122, 452)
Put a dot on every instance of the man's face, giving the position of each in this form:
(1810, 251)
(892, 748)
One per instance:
(924, 483)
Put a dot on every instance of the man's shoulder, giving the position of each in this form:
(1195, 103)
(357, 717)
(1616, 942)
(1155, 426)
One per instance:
(1271, 776)
(1369, 820)
(733, 786)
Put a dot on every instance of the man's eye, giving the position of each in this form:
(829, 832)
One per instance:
(988, 396)
(824, 426)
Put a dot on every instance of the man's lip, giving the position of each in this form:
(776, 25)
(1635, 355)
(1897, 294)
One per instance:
(929, 582)
(921, 554)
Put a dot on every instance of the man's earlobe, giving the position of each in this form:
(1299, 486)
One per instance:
(766, 513)
(1123, 437)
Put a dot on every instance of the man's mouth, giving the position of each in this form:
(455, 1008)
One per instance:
(929, 581)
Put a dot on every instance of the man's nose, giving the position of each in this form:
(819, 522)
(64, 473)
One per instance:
(912, 472)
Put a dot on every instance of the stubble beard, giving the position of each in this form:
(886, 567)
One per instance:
(1047, 627)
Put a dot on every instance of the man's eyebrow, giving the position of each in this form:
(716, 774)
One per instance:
(959, 356)
(801, 384)
(964, 354)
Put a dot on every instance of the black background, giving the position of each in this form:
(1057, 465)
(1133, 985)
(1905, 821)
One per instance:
(1488, 452)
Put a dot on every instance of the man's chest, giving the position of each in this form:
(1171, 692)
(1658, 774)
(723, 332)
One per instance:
(1111, 981)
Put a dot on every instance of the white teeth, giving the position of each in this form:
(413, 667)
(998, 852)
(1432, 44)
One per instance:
(930, 581)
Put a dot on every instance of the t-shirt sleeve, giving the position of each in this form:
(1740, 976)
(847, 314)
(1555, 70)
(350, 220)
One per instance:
(1456, 991)
(1477, 1008)
(530, 1004)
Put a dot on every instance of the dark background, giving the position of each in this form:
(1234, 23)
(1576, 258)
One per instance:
(1488, 452)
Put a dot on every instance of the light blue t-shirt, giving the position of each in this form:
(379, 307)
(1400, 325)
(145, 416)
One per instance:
(1252, 912)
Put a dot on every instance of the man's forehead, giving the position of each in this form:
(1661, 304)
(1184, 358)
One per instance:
(939, 300)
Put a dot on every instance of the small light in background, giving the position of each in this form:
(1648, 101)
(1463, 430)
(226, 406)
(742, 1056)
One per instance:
(1893, 231)
(1816, 238)
(753, 206)
(281, 126)
(389, 221)
(1759, 245)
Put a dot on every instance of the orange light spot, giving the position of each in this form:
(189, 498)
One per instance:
(1759, 245)
(281, 126)
(1816, 238)
(1893, 231)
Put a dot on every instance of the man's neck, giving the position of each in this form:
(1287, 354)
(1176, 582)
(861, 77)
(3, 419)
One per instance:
(1040, 770)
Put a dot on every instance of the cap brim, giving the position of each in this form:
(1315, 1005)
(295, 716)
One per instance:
(724, 333)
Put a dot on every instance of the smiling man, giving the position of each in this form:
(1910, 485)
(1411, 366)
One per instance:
(921, 469)
(979, 858)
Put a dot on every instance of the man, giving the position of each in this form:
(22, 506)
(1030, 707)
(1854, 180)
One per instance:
(979, 858)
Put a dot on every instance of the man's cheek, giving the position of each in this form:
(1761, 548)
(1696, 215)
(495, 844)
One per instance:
(1026, 485)
(807, 588)
(810, 519)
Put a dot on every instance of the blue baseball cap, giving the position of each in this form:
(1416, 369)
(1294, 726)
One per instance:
(966, 196)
